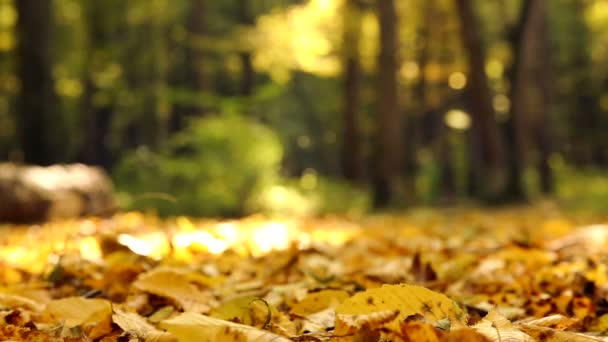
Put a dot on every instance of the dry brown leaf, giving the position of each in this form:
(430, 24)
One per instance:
(420, 331)
(11, 333)
(544, 334)
(558, 322)
(464, 334)
(16, 301)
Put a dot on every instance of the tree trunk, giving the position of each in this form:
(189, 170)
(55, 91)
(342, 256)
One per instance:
(389, 134)
(544, 127)
(98, 116)
(519, 89)
(192, 73)
(37, 101)
(487, 149)
(247, 72)
(351, 147)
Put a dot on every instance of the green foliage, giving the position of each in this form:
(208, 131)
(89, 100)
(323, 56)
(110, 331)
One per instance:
(581, 189)
(313, 195)
(212, 168)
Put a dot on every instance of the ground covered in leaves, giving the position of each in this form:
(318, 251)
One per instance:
(518, 274)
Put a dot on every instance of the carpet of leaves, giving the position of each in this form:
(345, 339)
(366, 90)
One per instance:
(517, 274)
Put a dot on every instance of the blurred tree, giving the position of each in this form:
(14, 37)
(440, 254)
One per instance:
(144, 61)
(190, 76)
(351, 145)
(246, 19)
(98, 104)
(388, 178)
(37, 102)
(544, 122)
(487, 163)
(528, 127)
(519, 37)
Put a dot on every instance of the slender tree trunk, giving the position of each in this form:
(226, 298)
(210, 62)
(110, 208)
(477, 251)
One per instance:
(247, 72)
(418, 133)
(37, 101)
(195, 53)
(192, 76)
(389, 134)
(519, 90)
(487, 149)
(351, 147)
(98, 116)
(544, 126)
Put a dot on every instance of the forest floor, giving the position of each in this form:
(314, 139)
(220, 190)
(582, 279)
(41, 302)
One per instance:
(531, 273)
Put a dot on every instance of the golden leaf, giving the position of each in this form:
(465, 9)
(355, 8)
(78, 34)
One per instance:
(238, 310)
(193, 327)
(75, 311)
(136, 325)
(319, 301)
(175, 285)
(408, 300)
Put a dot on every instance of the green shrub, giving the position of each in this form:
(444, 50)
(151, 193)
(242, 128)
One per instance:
(212, 168)
(312, 195)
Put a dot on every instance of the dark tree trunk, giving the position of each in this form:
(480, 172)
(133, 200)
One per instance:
(192, 76)
(519, 89)
(487, 173)
(389, 134)
(37, 101)
(98, 116)
(544, 127)
(247, 72)
(195, 52)
(351, 147)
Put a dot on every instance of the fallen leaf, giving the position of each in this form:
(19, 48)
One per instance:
(193, 327)
(137, 326)
(351, 324)
(499, 329)
(75, 311)
(408, 300)
(175, 285)
(318, 301)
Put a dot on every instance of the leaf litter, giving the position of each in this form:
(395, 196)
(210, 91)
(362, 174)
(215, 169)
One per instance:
(518, 274)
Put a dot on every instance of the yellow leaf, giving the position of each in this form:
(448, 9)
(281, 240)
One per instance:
(237, 310)
(408, 299)
(75, 311)
(193, 327)
(136, 325)
(175, 285)
(319, 301)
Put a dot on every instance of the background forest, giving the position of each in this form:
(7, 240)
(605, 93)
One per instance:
(230, 107)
